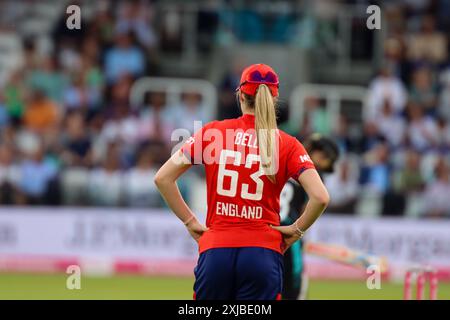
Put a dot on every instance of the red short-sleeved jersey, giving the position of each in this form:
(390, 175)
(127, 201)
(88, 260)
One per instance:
(242, 201)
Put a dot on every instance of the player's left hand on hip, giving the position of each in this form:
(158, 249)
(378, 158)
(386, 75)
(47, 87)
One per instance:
(289, 235)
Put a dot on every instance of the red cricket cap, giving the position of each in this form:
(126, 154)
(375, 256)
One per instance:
(257, 74)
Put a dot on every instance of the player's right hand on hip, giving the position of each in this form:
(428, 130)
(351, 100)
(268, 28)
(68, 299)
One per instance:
(196, 229)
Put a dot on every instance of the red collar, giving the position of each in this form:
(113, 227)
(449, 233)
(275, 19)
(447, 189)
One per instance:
(248, 117)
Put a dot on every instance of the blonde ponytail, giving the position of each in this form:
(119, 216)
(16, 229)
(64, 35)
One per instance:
(266, 131)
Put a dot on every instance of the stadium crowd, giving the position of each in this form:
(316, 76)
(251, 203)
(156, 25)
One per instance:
(69, 136)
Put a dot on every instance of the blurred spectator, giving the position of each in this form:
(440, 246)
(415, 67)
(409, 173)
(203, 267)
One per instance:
(319, 117)
(123, 126)
(189, 110)
(444, 98)
(423, 90)
(119, 94)
(86, 87)
(92, 49)
(391, 126)
(69, 57)
(41, 113)
(9, 175)
(343, 188)
(99, 141)
(409, 178)
(156, 123)
(171, 30)
(443, 135)
(77, 142)
(32, 56)
(135, 16)
(4, 117)
(14, 95)
(437, 192)
(74, 185)
(370, 138)
(140, 191)
(25, 141)
(36, 173)
(49, 79)
(393, 56)
(124, 58)
(76, 95)
(228, 107)
(428, 45)
(376, 170)
(384, 87)
(102, 27)
(93, 81)
(422, 129)
(106, 182)
(305, 127)
(342, 135)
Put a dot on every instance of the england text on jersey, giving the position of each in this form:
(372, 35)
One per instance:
(234, 210)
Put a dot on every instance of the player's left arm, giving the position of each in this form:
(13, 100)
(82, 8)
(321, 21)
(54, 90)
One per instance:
(316, 205)
(301, 168)
(318, 199)
(166, 181)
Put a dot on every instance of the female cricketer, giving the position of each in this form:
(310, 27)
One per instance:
(247, 163)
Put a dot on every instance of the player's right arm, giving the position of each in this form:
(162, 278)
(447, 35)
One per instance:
(166, 182)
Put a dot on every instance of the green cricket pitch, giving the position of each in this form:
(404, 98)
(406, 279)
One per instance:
(124, 287)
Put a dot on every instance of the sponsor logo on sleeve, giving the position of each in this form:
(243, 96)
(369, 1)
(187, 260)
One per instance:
(305, 158)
